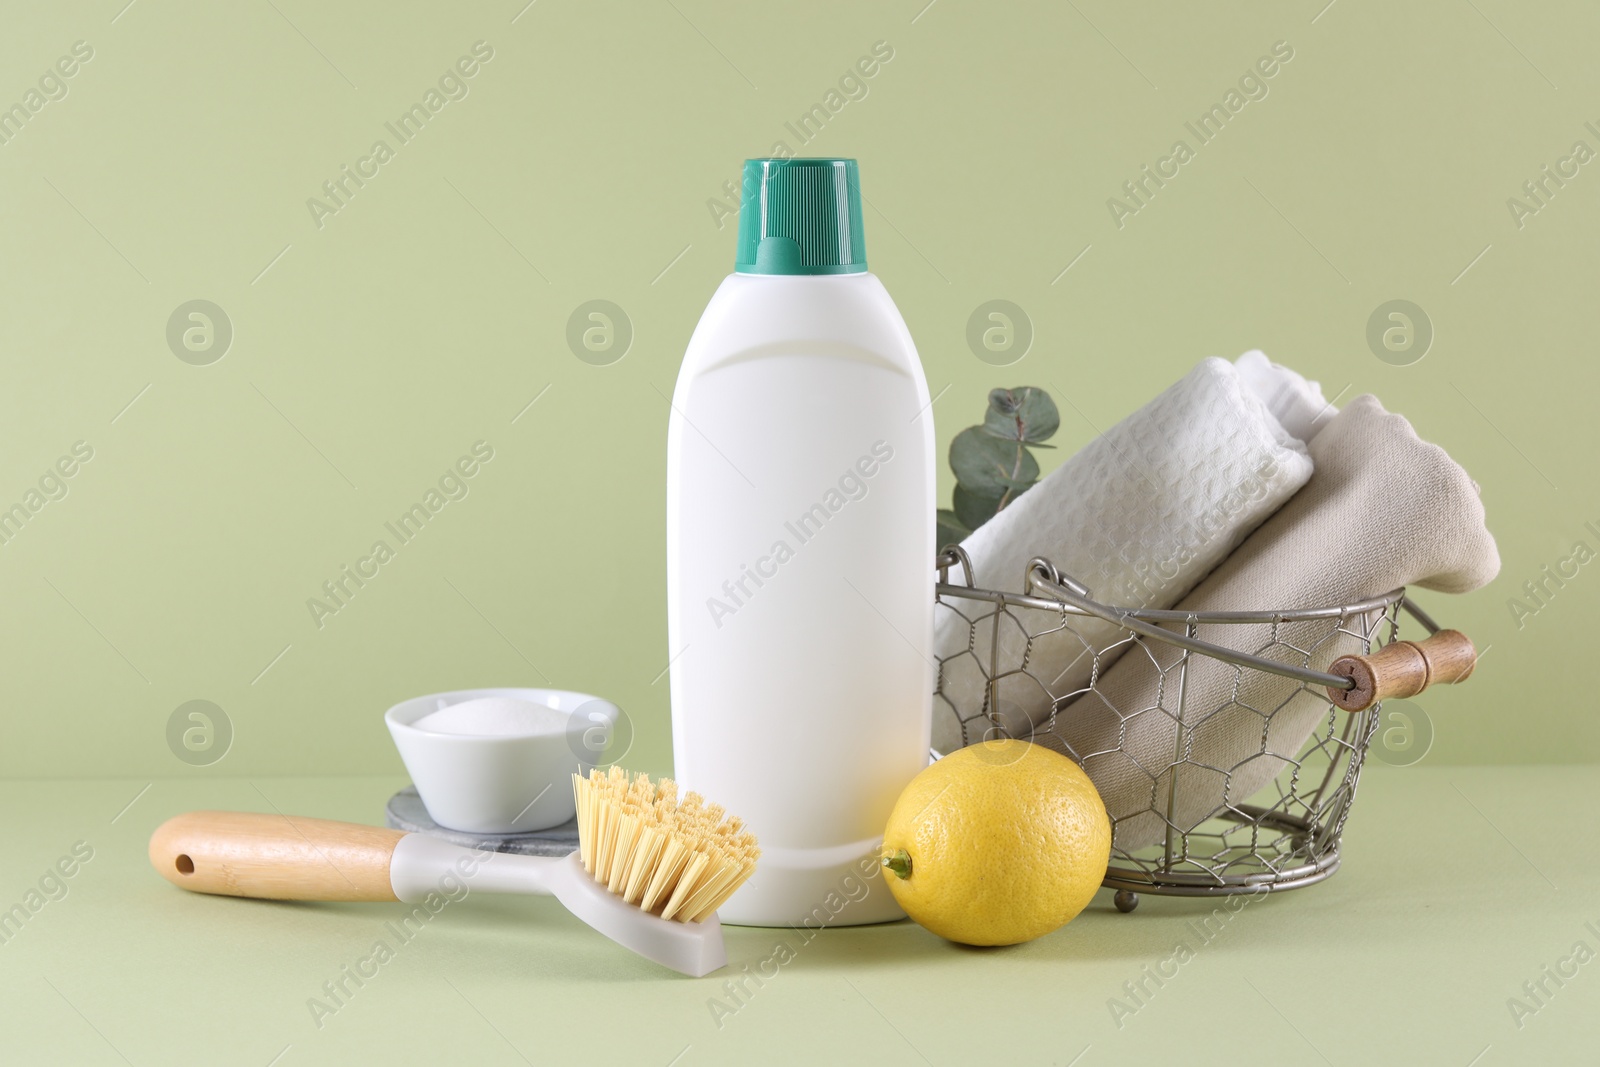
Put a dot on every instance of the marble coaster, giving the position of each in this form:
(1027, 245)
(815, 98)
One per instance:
(405, 811)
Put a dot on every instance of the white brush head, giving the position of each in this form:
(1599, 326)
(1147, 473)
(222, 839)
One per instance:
(692, 948)
(419, 863)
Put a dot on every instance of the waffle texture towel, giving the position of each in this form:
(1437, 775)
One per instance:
(1383, 509)
(1296, 403)
(1138, 515)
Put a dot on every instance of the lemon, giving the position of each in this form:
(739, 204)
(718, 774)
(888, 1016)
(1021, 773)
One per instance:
(998, 843)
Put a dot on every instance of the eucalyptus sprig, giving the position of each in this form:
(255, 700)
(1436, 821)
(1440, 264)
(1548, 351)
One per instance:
(993, 462)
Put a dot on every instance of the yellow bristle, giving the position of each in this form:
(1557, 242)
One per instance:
(664, 879)
(677, 858)
(628, 830)
(645, 858)
(688, 881)
(746, 867)
(710, 882)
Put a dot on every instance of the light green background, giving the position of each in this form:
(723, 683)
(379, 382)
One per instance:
(430, 310)
(371, 353)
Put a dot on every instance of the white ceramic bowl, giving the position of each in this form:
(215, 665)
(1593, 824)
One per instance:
(499, 785)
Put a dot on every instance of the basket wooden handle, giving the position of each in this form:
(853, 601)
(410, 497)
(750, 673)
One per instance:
(275, 857)
(1403, 669)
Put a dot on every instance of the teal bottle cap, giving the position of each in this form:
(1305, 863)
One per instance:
(800, 216)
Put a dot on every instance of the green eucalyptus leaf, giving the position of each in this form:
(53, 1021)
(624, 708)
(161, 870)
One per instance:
(1025, 413)
(988, 466)
(952, 531)
(974, 509)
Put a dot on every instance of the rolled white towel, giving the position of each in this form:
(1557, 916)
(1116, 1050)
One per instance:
(1296, 403)
(1139, 515)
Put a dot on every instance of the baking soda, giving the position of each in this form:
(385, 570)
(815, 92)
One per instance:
(495, 717)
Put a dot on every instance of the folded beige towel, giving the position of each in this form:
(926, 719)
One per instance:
(1383, 509)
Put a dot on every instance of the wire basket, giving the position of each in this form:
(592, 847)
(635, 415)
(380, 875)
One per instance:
(1342, 660)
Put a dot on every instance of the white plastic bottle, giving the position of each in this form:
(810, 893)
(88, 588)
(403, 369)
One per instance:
(800, 547)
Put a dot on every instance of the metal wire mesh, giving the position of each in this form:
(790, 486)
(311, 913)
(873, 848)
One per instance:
(1204, 826)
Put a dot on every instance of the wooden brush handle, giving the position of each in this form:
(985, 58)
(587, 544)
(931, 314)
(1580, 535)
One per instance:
(1403, 669)
(275, 857)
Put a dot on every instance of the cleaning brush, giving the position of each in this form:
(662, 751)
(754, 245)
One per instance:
(649, 873)
(676, 860)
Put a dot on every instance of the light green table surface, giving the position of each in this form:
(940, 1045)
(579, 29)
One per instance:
(1459, 885)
